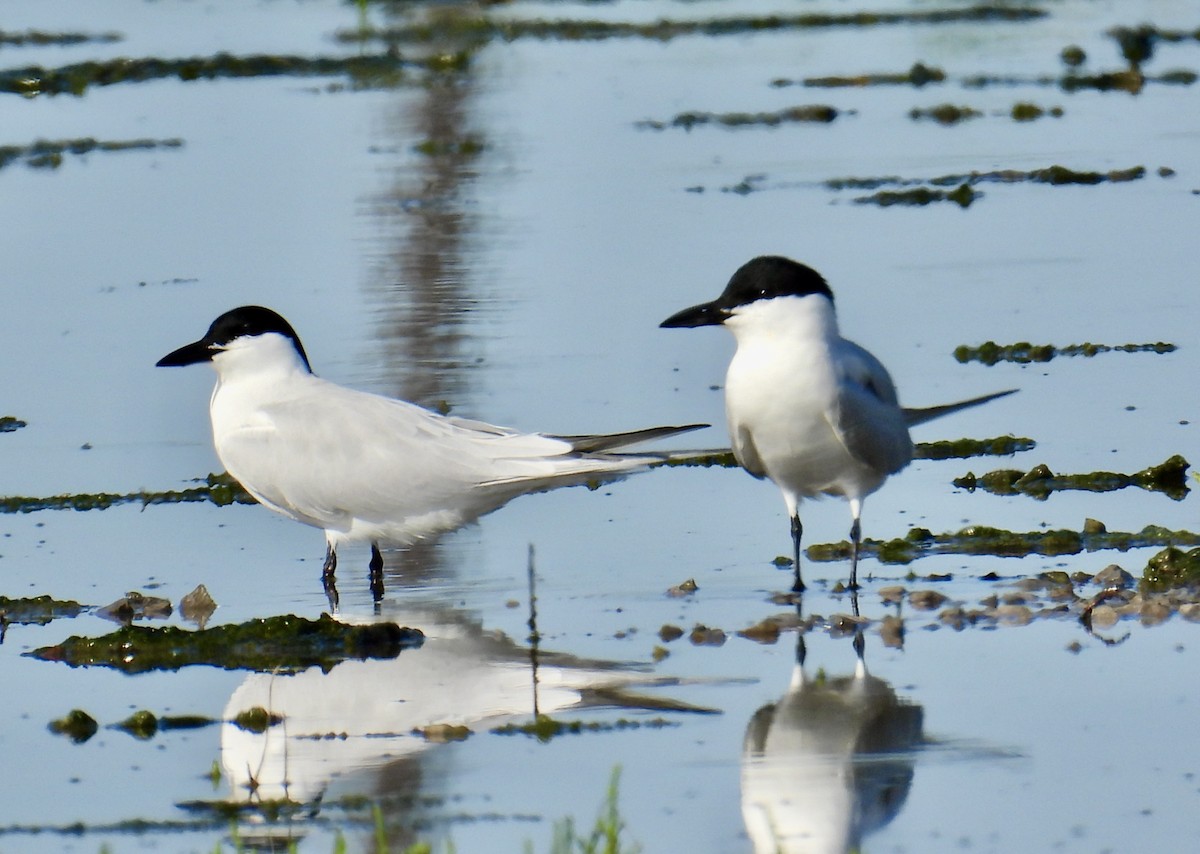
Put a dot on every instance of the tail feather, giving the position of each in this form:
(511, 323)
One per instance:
(914, 417)
(606, 442)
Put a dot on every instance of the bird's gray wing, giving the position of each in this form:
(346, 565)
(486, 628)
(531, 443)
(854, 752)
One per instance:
(866, 414)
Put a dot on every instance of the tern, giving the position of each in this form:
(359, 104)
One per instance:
(807, 409)
(363, 467)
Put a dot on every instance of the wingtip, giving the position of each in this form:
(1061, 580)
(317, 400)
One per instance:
(919, 416)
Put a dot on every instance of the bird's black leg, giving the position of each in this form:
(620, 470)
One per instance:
(797, 530)
(327, 577)
(855, 544)
(376, 567)
(860, 643)
(801, 630)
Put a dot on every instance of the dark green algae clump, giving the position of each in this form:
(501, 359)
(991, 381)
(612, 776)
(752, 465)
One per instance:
(286, 644)
(1168, 477)
(220, 489)
(49, 153)
(1172, 569)
(364, 70)
(984, 540)
(819, 113)
(1023, 352)
(37, 610)
(482, 29)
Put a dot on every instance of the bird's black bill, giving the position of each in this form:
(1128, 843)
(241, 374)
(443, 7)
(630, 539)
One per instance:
(706, 314)
(188, 354)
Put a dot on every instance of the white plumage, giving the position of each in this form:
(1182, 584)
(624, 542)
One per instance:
(809, 410)
(364, 467)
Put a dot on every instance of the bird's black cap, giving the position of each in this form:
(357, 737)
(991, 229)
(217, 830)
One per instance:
(240, 322)
(764, 277)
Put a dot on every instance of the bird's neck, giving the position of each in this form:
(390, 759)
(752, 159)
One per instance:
(786, 321)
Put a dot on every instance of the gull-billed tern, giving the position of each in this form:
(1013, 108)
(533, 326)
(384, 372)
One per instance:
(364, 467)
(811, 411)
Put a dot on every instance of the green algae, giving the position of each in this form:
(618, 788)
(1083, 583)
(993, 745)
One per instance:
(220, 489)
(76, 725)
(1027, 111)
(366, 71)
(1054, 175)
(961, 449)
(1170, 569)
(1128, 80)
(49, 153)
(9, 424)
(963, 196)
(952, 114)
(545, 728)
(37, 610)
(1168, 477)
(256, 720)
(285, 644)
(991, 353)
(144, 724)
(41, 38)
(945, 114)
(482, 29)
(819, 113)
(917, 76)
(996, 542)
(468, 146)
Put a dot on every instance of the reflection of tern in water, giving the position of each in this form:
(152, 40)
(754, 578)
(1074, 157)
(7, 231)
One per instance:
(828, 763)
(361, 716)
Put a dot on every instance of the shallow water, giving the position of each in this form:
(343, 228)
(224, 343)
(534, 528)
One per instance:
(523, 283)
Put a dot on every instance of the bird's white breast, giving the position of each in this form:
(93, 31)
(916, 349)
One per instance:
(782, 393)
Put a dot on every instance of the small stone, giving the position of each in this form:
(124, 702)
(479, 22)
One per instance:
(1075, 647)
(1154, 612)
(927, 600)
(1018, 598)
(843, 625)
(892, 594)
(1132, 606)
(891, 631)
(442, 733)
(1014, 615)
(764, 631)
(1104, 616)
(1094, 526)
(685, 588)
(1190, 612)
(1113, 577)
(197, 606)
(955, 617)
(659, 652)
(669, 633)
(704, 636)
